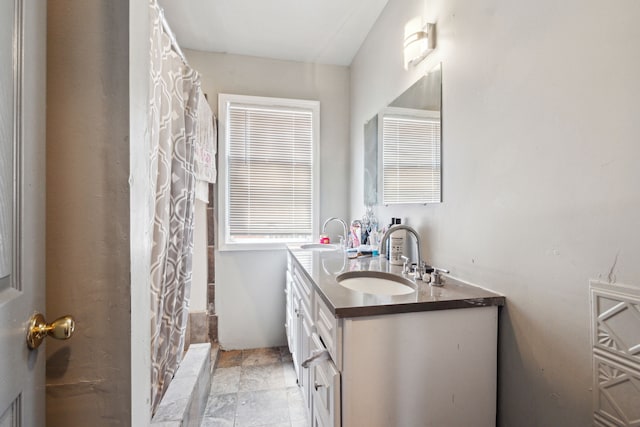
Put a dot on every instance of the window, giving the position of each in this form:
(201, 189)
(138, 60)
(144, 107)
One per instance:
(410, 156)
(268, 188)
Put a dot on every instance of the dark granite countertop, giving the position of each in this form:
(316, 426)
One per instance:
(322, 268)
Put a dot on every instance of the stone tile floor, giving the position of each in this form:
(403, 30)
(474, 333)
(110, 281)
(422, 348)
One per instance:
(255, 388)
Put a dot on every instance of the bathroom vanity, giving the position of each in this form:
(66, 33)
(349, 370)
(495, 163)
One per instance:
(428, 357)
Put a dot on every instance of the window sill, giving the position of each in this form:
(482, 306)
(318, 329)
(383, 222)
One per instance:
(236, 247)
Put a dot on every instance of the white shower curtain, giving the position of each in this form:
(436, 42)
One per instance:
(174, 94)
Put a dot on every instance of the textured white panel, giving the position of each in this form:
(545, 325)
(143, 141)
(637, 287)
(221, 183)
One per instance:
(617, 392)
(615, 320)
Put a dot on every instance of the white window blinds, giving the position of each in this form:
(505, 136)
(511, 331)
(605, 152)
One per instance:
(410, 159)
(270, 173)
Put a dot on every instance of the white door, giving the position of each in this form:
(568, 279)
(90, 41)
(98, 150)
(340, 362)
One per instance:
(22, 208)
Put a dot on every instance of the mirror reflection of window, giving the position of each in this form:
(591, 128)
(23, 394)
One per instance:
(371, 162)
(411, 167)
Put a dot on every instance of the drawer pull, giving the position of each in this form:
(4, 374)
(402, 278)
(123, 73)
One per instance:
(317, 385)
(316, 357)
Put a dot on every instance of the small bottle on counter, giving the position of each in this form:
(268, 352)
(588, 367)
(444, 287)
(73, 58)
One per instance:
(374, 242)
(388, 242)
(354, 237)
(396, 245)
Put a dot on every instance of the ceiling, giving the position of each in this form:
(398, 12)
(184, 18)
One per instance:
(318, 31)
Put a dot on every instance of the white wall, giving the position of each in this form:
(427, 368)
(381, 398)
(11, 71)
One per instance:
(540, 173)
(250, 284)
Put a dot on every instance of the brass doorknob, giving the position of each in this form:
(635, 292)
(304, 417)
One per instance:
(60, 329)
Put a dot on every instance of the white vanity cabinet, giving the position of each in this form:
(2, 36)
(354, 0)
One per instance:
(306, 314)
(299, 324)
(396, 368)
(411, 369)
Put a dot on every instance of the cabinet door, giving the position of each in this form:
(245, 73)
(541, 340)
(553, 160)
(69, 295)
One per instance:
(288, 324)
(296, 326)
(306, 332)
(325, 389)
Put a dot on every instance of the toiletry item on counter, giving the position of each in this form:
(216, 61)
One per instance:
(426, 275)
(373, 220)
(369, 225)
(354, 236)
(364, 230)
(374, 242)
(388, 243)
(396, 245)
(359, 252)
(384, 230)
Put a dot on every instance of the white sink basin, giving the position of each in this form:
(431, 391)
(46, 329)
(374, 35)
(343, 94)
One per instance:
(319, 247)
(376, 282)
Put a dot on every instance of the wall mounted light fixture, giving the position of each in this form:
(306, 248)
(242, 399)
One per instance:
(419, 41)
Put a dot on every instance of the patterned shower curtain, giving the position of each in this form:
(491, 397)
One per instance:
(174, 94)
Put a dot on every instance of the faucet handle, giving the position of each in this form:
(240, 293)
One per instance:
(416, 270)
(436, 279)
(405, 265)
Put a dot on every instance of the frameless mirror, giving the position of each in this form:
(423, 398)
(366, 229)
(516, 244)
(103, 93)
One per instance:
(371, 162)
(6, 144)
(402, 146)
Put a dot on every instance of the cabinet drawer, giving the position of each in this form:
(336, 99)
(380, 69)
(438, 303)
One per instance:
(305, 288)
(328, 328)
(325, 389)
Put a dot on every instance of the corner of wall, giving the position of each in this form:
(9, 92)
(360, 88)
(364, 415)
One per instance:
(141, 210)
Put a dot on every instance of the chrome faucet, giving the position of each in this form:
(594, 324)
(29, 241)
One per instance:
(345, 228)
(383, 243)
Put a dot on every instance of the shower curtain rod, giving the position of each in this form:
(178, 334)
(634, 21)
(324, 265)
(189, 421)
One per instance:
(172, 37)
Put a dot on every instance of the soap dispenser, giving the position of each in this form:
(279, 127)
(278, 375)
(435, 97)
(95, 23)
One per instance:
(387, 250)
(396, 245)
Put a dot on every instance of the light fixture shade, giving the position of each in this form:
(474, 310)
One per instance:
(419, 41)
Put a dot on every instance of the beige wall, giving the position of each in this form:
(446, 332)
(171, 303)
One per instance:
(88, 235)
(540, 153)
(250, 284)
